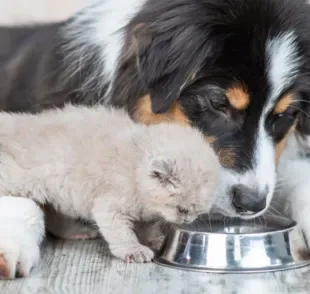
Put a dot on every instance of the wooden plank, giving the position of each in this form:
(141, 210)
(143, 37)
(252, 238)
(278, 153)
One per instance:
(86, 267)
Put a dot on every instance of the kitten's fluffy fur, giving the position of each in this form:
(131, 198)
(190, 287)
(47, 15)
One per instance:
(97, 164)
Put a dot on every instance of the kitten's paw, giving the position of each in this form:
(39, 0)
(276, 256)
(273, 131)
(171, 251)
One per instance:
(89, 234)
(137, 253)
(140, 255)
(68, 228)
(79, 232)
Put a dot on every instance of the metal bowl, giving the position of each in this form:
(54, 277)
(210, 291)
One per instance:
(237, 246)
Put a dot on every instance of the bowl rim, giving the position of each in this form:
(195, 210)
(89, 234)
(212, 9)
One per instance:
(292, 224)
(258, 270)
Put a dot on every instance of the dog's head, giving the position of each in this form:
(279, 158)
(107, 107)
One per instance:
(236, 69)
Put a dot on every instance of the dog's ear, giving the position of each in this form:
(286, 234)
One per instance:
(167, 59)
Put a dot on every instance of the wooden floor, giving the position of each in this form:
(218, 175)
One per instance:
(86, 267)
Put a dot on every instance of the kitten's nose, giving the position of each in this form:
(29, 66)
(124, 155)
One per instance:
(249, 200)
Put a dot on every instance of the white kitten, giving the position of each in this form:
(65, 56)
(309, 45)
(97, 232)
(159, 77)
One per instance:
(99, 165)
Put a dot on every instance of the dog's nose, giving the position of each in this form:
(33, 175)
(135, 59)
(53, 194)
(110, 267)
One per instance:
(248, 200)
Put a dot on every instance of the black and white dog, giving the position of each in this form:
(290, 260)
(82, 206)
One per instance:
(239, 70)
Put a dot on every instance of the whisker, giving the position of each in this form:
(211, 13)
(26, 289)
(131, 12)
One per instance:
(274, 210)
(277, 216)
(306, 101)
(300, 110)
(277, 204)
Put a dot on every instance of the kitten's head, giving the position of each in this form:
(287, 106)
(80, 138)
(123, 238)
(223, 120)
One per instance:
(178, 174)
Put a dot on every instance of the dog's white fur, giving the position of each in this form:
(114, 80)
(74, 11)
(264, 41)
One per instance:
(104, 22)
(97, 164)
(292, 193)
(21, 232)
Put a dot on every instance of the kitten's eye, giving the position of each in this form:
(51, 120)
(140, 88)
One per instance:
(182, 210)
(156, 174)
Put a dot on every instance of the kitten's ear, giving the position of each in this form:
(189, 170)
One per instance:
(164, 171)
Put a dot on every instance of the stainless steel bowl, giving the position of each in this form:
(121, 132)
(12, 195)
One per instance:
(237, 246)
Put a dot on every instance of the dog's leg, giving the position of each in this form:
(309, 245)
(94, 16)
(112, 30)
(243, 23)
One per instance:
(21, 233)
(68, 228)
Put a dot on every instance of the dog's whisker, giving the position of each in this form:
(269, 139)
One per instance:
(299, 109)
(277, 204)
(275, 211)
(305, 101)
(277, 216)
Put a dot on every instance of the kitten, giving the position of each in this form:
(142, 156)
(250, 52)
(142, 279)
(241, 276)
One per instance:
(98, 165)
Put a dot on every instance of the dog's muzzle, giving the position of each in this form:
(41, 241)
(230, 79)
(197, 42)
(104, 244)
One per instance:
(248, 201)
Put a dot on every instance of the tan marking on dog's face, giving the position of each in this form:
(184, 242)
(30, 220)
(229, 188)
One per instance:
(282, 144)
(283, 104)
(238, 97)
(279, 149)
(227, 157)
(143, 113)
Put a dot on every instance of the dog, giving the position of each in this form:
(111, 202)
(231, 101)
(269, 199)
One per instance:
(238, 70)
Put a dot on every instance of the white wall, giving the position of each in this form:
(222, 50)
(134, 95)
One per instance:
(30, 11)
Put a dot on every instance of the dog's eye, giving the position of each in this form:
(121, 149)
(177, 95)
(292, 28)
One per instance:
(290, 113)
(282, 122)
(218, 105)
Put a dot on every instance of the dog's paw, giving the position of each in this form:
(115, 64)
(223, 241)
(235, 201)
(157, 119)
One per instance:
(136, 253)
(17, 256)
(21, 232)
